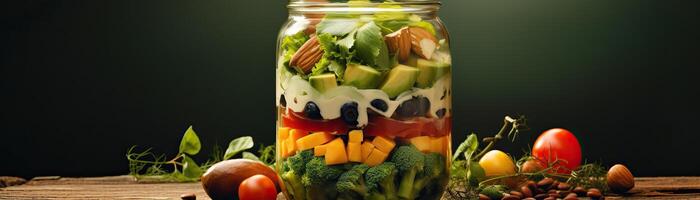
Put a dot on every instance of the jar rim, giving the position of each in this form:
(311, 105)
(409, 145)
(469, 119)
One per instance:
(326, 3)
(324, 6)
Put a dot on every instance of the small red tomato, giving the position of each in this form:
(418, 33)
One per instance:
(558, 144)
(257, 187)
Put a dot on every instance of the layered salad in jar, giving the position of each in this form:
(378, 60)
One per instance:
(364, 107)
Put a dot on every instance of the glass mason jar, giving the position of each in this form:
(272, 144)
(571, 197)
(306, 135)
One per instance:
(364, 102)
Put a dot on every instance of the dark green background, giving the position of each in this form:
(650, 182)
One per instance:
(84, 80)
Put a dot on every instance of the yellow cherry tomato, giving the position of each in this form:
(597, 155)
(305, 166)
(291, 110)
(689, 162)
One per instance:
(497, 163)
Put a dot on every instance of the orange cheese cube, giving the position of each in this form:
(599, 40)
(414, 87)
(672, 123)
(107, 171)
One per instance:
(335, 152)
(283, 133)
(314, 139)
(367, 148)
(438, 144)
(354, 152)
(282, 148)
(384, 144)
(320, 150)
(422, 143)
(289, 146)
(355, 136)
(376, 157)
(294, 135)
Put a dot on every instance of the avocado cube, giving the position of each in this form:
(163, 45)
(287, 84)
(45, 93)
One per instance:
(323, 82)
(399, 79)
(430, 71)
(362, 77)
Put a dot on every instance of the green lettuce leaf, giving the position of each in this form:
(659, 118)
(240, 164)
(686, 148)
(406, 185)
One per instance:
(336, 26)
(346, 52)
(327, 43)
(371, 48)
(392, 25)
(338, 69)
(290, 45)
(347, 42)
(293, 42)
(321, 66)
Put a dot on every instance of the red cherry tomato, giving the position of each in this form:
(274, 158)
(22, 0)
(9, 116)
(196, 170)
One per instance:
(257, 187)
(558, 144)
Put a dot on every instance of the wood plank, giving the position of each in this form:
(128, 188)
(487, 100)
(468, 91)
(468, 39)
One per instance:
(665, 188)
(114, 187)
(127, 187)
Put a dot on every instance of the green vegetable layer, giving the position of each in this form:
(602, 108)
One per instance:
(407, 174)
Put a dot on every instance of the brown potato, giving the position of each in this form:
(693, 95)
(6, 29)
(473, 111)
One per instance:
(222, 179)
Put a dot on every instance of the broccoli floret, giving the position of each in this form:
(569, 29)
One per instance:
(434, 167)
(376, 196)
(321, 192)
(318, 176)
(380, 181)
(298, 161)
(409, 161)
(351, 184)
(318, 173)
(294, 186)
(285, 167)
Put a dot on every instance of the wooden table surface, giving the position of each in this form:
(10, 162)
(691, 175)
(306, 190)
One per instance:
(126, 187)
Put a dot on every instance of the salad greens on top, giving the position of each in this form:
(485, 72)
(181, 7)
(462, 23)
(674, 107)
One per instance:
(347, 39)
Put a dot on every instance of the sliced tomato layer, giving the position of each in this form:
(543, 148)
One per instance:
(377, 126)
(382, 126)
(298, 121)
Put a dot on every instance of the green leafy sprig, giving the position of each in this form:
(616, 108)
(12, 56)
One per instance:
(146, 165)
(467, 175)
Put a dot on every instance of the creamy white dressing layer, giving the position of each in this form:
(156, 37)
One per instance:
(298, 92)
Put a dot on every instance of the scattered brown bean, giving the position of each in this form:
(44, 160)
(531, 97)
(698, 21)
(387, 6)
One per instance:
(594, 193)
(484, 197)
(550, 198)
(579, 191)
(529, 198)
(510, 197)
(563, 193)
(532, 185)
(540, 191)
(545, 183)
(563, 186)
(554, 185)
(526, 191)
(516, 193)
(571, 196)
(552, 191)
(188, 196)
(555, 195)
(541, 196)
